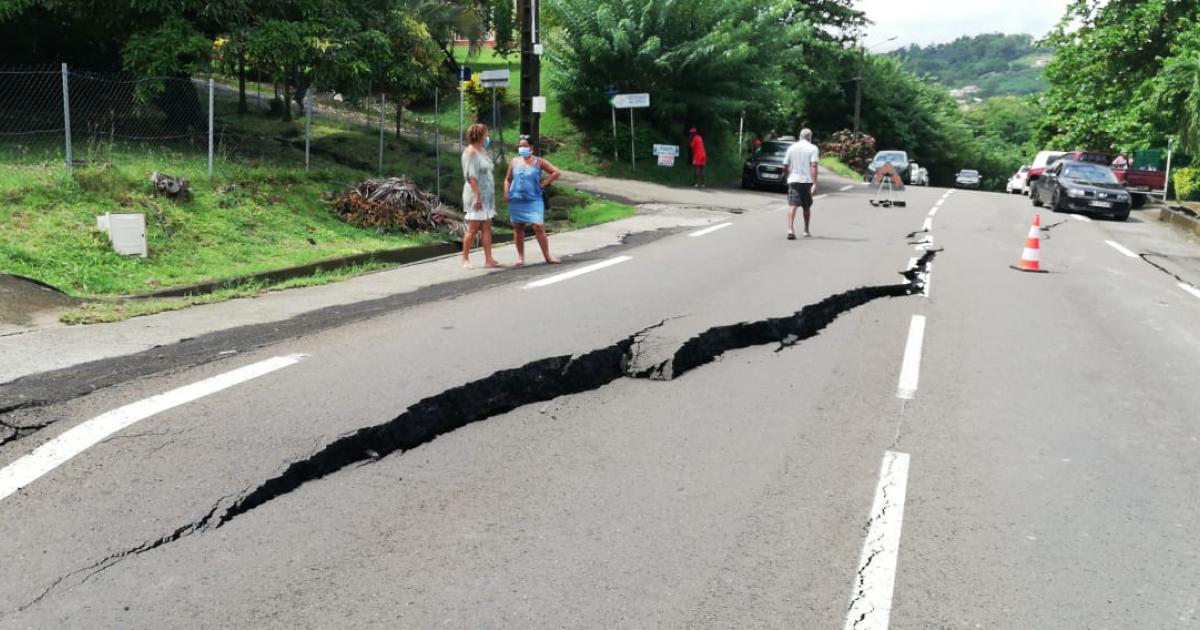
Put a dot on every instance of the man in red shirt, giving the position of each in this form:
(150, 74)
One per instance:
(699, 156)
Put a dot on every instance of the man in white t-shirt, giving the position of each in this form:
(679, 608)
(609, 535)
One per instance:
(800, 168)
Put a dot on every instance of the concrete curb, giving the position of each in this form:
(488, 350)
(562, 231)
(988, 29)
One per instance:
(1181, 219)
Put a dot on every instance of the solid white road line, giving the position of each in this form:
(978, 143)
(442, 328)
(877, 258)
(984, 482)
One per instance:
(76, 440)
(928, 278)
(940, 202)
(1121, 248)
(910, 369)
(578, 272)
(821, 196)
(709, 230)
(1190, 289)
(871, 599)
(1080, 217)
(934, 210)
(927, 226)
(845, 188)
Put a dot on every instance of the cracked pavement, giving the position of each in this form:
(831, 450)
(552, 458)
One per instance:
(690, 439)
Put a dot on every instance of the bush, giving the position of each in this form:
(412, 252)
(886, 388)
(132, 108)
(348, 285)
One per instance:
(853, 152)
(1187, 183)
(479, 98)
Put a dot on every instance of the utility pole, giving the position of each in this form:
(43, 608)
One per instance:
(531, 68)
(862, 57)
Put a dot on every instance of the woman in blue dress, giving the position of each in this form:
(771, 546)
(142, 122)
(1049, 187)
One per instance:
(528, 175)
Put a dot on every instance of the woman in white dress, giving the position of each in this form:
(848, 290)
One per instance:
(479, 194)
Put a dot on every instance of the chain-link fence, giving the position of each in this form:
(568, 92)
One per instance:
(213, 128)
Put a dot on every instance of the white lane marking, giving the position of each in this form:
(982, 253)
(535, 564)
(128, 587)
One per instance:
(845, 188)
(1190, 289)
(928, 278)
(1121, 248)
(1080, 217)
(925, 243)
(934, 210)
(709, 230)
(927, 226)
(76, 440)
(821, 196)
(578, 272)
(871, 598)
(940, 201)
(910, 369)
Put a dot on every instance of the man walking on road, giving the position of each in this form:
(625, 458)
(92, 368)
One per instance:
(800, 168)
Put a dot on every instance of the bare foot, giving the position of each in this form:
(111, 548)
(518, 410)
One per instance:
(492, 264)
(466, 264)
(520, 262)
(553, 261)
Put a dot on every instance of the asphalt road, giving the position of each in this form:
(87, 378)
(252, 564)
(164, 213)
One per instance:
(972, 447)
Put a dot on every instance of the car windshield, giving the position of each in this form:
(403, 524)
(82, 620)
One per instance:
(774, 149)
(1090, 173)
(895, 157)
(970, 173)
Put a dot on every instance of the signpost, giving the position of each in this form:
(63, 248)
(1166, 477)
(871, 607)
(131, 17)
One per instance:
(630, 102)
(610, 92)
(495, 79)
(666, 154)
(464, 75)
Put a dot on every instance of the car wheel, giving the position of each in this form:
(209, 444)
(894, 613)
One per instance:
(1056, 203)
(1139, 201)
(1124, 216)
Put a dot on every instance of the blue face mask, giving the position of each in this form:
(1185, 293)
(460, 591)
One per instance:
(487, 142)
(524, 151)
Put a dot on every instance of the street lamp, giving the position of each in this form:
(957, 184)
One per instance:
(862, 57)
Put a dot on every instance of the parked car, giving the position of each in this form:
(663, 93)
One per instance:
(1016, 183)
(898, 160)
(1043, 160)
(1141, 180)
(967, 178)
(918, 175)
(764, 168)
(1073, 186)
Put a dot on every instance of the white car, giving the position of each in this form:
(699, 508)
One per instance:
(1016, 183)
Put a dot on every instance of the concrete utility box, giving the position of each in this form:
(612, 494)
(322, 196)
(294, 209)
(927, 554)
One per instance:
(126, 231)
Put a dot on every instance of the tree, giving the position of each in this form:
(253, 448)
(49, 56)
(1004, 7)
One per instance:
(503, 25)
(1176, 91)
(692, 57)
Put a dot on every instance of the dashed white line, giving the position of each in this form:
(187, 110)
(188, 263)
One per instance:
(927, 226)
(709, 230)
(1190, 289)
(1080, 217)
(76, 440)
(821, 196)
(871, 598)
(578, 272)
(1121, 248)
(928, 278)
(934, 210)
(940, 202)
(910, 369)
(845, 188)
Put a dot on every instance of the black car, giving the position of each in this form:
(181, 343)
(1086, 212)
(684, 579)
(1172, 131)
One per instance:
(764, 169)
(898, 160)
(1072, 186)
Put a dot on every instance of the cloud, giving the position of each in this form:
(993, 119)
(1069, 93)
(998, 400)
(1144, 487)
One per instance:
(938, 21)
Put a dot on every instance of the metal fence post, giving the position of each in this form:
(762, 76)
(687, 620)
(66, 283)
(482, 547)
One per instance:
(67, 118)
(437, 144)
(307, 124)
(382, 108)
(210, 127)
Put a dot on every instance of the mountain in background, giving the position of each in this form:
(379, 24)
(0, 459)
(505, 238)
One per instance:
(980, 67)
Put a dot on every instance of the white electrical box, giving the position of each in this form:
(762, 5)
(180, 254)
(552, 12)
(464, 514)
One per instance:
(128, 233)
(539, 104)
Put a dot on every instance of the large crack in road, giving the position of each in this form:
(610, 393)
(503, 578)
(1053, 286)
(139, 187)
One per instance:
(534, 382)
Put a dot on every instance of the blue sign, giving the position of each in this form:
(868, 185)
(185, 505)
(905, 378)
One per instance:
(464, 73)
(611, 91)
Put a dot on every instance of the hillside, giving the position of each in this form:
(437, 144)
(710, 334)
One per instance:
(982, 66)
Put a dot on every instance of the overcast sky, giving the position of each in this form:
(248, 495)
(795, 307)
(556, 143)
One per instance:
(925, 22)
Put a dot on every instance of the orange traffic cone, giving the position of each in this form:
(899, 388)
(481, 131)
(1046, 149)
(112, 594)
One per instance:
(1030, 257)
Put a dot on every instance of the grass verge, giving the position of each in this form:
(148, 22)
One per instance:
(839, 168)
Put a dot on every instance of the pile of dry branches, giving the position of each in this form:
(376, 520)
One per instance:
(396, 204)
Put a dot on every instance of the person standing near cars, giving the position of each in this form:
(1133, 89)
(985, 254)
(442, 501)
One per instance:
(479, 194)
(1121, 163)
(699, 156)
(523, 188)
(800, 169)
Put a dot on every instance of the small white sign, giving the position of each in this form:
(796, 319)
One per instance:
(494, 78)
(538, 50)
(666, 149)
(666, 159)
(627, 101)
(539, 104)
